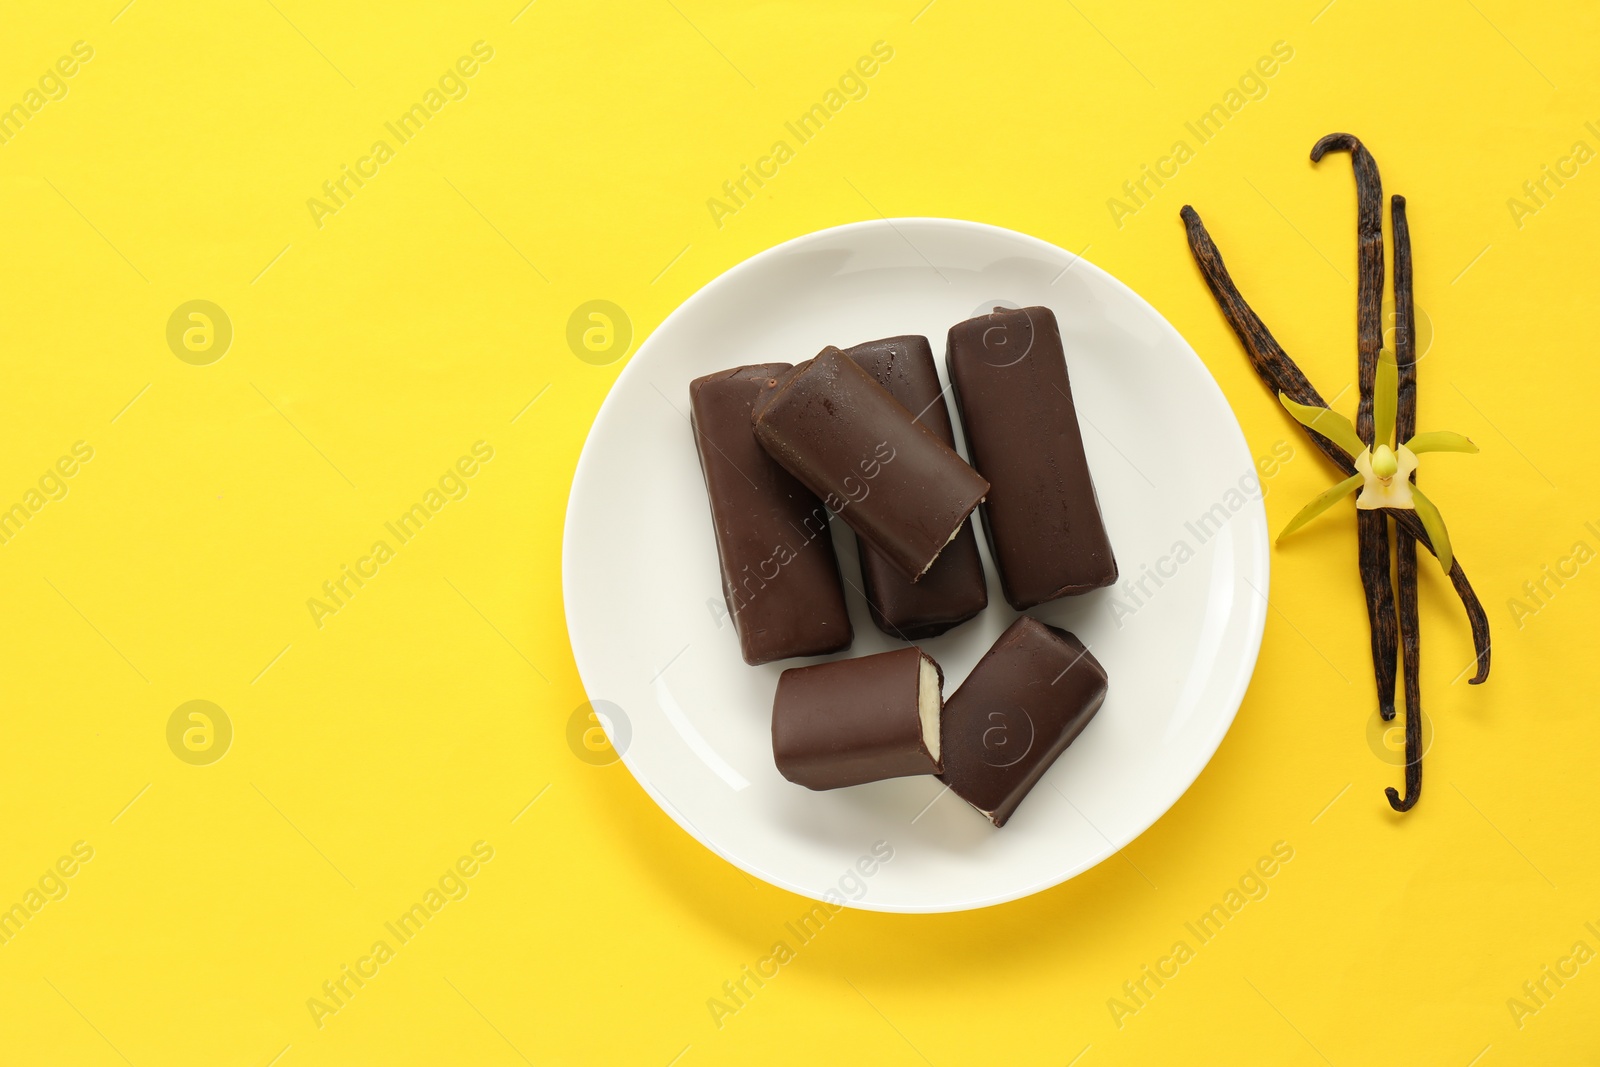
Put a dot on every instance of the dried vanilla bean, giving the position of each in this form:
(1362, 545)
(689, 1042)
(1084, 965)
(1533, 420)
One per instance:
(1282, 375)
(1372, 527)
(1405, 421)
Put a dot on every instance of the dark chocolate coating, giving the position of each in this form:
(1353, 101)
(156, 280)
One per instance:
(1021, 706)
(779, 574)
(1009, 375)
(851, 721)
(954, 589)
(888, 476)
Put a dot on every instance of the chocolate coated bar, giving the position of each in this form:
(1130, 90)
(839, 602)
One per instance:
(779, 574)
(954, 589)
(1021, 706)
(1009, 374)
(858, 720)
(847, 440)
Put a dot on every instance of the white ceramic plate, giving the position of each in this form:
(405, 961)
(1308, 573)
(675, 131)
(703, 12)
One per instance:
(1177, 487)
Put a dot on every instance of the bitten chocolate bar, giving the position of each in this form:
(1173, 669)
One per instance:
(1021, 706)
(889, 477)
(954, 589)
(1009, 374)
(858, 720)
(779, 574)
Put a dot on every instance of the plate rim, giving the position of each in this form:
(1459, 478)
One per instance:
(1256, 613)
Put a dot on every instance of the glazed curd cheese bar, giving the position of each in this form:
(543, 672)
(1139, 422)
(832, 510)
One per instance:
(779, 573)
(1009, 375)
(888, 476)
(858, 720)
(1028, 699)
(954, 589)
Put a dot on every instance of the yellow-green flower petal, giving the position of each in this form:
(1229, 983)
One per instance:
(1330, 424)
(1441, 441)
(1433, 522)
(1385, 398)
(1322, 503)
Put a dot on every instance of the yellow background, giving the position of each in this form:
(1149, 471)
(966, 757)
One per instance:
(368, 354)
